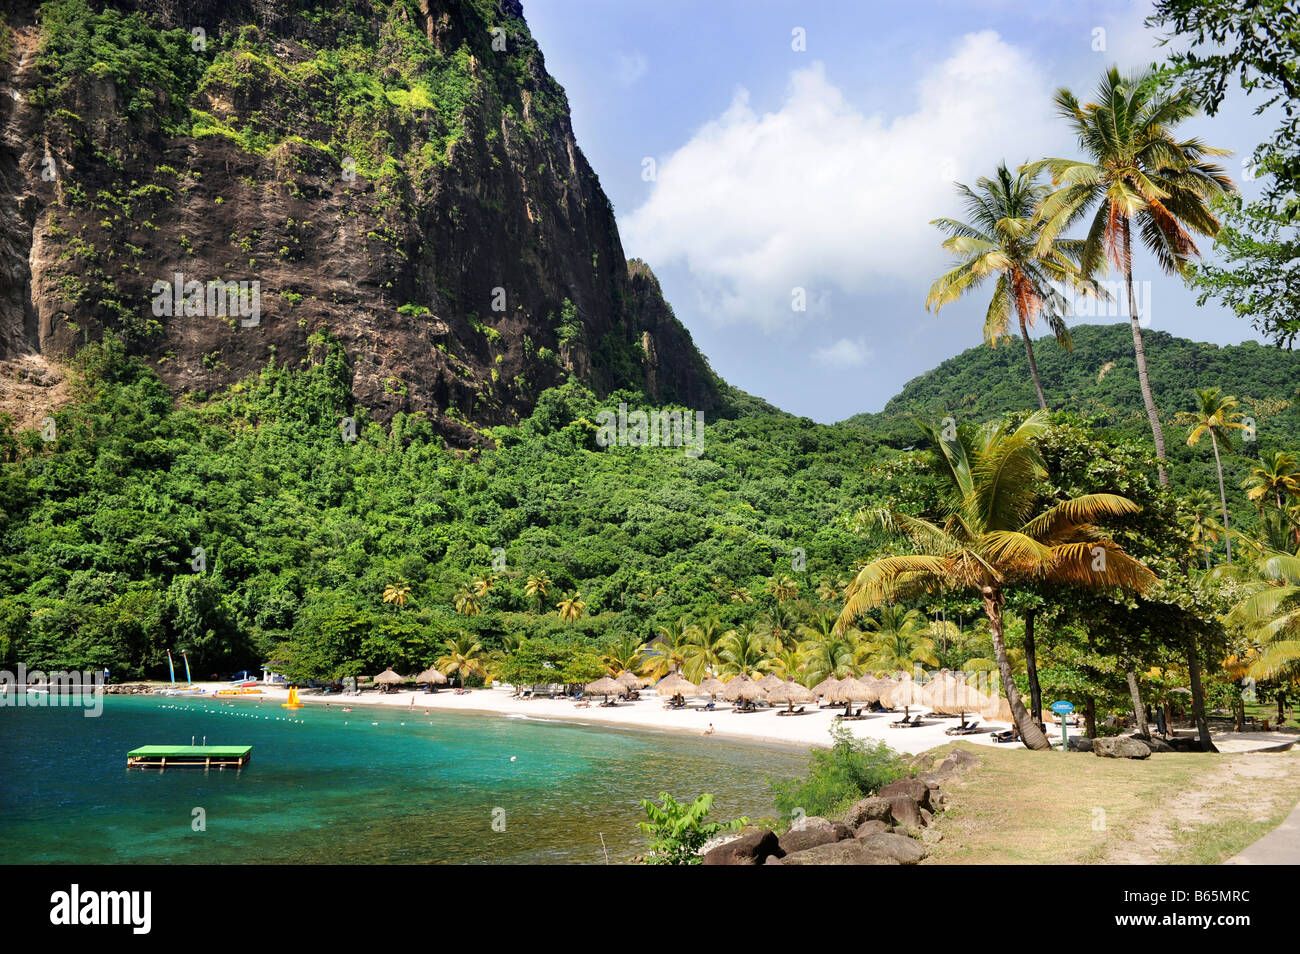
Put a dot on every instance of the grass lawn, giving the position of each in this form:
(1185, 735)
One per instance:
(1022, 807)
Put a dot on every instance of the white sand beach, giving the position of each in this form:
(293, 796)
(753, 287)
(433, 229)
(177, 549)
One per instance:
(763, 726)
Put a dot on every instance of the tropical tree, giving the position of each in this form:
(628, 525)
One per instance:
(1138, 176)
(830, 655)
(1198, 520)
(704, 645)
(1000, 237)
(537, 586)
(746, 650)
(1276, 476)
(668, 650)
(1270, 616)
(464, 657)
(1218, 417)
(789, 665)
(397, 593)
(467, 602)
(783, 588)
(482, 585)
(780, 625)
(624, 654)
(995, 531)
(572, 608)
(899, 639)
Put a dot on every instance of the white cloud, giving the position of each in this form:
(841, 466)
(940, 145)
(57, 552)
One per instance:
(630, 67)
(819, 194)
(843, 354)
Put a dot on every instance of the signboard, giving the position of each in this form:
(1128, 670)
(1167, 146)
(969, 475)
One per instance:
(1062, 707)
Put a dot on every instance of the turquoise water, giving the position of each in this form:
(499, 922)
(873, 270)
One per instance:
(362, 787)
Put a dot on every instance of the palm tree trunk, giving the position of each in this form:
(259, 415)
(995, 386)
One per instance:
(1223, 497)
(1030, 734)
(1031, 666)
(1033, 365)
(1139, 710)
(1198, 695)
(1139, 353)
(1090, 717)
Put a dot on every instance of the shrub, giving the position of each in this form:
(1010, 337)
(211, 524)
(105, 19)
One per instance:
(849, 770)
(676, 831)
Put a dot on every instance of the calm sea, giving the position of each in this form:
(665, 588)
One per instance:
(370, 786)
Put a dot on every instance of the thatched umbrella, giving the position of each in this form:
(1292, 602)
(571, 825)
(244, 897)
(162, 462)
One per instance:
(825, 688)
(852, 690)
(431, 677)
(742, 689)
(790, 693)
(675, 684)
(998, 710)
(907, 693)
(389, 678)
(711, 687)
(770, 682)
(629, 680)
(605, 686)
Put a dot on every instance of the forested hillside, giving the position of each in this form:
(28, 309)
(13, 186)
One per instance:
(1098, 379)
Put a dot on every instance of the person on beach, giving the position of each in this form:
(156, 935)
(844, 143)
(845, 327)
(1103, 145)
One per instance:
(709, 730)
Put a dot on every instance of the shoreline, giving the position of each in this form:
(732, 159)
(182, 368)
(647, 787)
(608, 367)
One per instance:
(764, 727)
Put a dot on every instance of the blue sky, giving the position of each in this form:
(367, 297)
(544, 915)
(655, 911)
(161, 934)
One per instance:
(784, 176)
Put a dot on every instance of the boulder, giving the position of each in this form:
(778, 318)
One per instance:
(773, 860)
(914, 788)
(958, 760)
(904, 810)
(812, 836)
(927, 818)
(903, 850)
(752, 847)
(851, 852)
(1080, 743)
(1120, 747)
(872, 826)
(932, 836)
(869, 809)
(1156, 744)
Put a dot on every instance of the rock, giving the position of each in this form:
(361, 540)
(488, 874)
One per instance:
(932, 836)
(773, 860)
(927, 818)
(868, 809)
(753, 847)
(913, 788)
(812, 821)
(812, 836)
(1157, 744)
(872, 826)
(904, 810)
(851, 852)
(940, 801)
(1120, 747)
(904, 850)
(1080, 743)
(958, 760)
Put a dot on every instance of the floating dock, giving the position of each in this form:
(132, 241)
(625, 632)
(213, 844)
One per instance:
(189, 756)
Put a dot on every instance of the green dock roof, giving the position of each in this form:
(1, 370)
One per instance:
(201, 751)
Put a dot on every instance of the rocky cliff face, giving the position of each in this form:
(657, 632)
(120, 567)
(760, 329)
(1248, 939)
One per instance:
(227, 182)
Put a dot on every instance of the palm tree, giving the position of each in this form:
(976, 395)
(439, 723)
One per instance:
(1217, 417)
(482, 585)
(830, 655)
(783, 588)
(1199, 522)
(1001, 238)
(703, 655)
(899, 639)
(624, 654)
(464, 657)
(1276, 476)
(996, 533)
(789, 664)
(467, 602)
(1138, 176)
(667, 651)
(537, 586)
(397, 593)
(572, 608)
(747, 651)
(1270, 615)
(780, 625)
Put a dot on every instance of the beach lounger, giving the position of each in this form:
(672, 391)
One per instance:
(966, 728)
(1007, 735)
(792, 712)
(907, 722)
